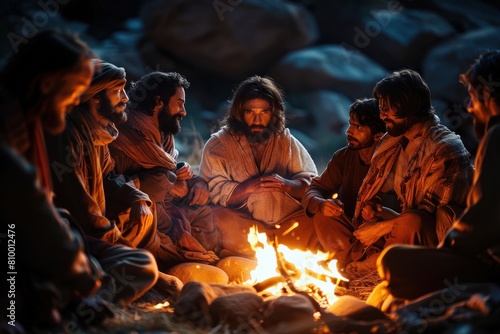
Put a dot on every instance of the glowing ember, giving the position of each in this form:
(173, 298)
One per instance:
(162, 305)
(291, 228)
(309, 272)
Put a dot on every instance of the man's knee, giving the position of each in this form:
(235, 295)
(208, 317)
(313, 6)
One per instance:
(445, 216)
(391, 257)
(140, 265)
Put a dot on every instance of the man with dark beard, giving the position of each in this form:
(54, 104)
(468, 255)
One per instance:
(145, 152)
(81, 164)
(331, 197)
(425, 164)
(84, 183)
(470, 250)
(257, 172)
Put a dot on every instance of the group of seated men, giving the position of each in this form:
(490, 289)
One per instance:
(92, 171)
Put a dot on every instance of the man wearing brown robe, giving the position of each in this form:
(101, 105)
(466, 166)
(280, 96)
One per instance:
(145, 151)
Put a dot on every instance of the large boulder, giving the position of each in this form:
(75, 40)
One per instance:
(232, 38)
(329, 113)
(329, 67)
(463, 16)
(397, 39)
(443, 64)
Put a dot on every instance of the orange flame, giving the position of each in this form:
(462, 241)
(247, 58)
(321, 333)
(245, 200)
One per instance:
(307, 264)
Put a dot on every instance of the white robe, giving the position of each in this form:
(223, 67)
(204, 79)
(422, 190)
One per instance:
(228, 160)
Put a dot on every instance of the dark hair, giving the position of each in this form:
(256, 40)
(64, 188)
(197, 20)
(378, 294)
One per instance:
(485, 71)
(142, 93)
(49, 51)
(256, 87)
(407, 92)
(366, 112)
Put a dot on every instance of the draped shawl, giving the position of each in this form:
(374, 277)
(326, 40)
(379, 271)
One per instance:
(142, 140)
(439, 171)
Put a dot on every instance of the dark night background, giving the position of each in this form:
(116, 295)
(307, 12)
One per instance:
(324, 54)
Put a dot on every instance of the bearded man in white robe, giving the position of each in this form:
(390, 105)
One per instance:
(257, 172)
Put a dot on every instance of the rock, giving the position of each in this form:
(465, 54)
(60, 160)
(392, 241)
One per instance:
(400, 39)
(328, 67)
(237, 268)
(329, 110)
(353, 308)
(443, 64)
(200, 272)
(195, 298)
(441, 69)
(118, 51)
(289, 314)
(473, 16)
(329, 116)
(218, 36)
(237, 310)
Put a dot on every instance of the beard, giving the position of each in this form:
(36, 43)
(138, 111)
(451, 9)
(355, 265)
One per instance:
(108, 111)
(361, 145)
(257, 136)
(169, 124)
(398, 129)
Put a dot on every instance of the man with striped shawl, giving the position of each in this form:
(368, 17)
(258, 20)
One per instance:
(470, 251)
(426, 165)
(257, 172)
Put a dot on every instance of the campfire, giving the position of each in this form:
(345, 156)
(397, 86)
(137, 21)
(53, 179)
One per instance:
(287, 289)
(283, 270)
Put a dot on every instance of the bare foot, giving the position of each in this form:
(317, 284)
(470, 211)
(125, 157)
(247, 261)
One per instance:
(363, 267)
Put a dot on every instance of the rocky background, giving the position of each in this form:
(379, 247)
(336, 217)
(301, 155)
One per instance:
(323, 53)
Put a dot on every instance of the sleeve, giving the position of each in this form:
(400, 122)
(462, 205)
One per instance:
(119, 187)
(323, 187)
(216, 172)
(301, 166)
(69, 161)
(156, 182)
